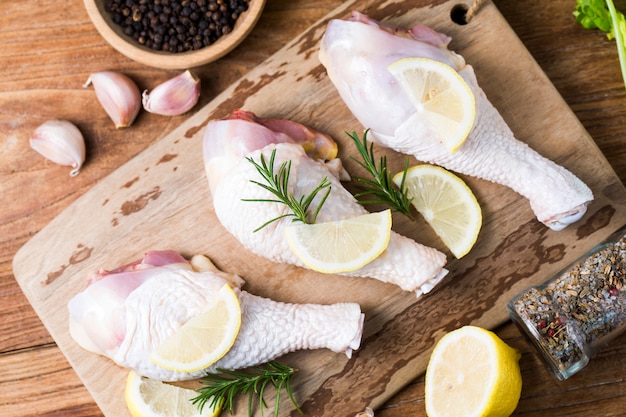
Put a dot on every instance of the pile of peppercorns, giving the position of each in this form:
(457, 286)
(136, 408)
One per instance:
(176, 25)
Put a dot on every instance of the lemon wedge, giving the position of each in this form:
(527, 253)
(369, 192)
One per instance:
(441, 97)
(343, 245)
(472, 372)
(204, 339)
(446, 203)
(149, 398)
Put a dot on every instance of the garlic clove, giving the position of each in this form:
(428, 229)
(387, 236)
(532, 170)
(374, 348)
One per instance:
(174, 96)
(61, 142)
(118, 95)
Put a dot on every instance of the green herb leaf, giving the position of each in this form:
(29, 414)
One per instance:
(224, 388)
(278, 185)
(601, 14)
(380, 188)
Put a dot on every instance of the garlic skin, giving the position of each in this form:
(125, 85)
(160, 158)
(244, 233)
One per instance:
(174, 96)
(61, 142)
(118, 95)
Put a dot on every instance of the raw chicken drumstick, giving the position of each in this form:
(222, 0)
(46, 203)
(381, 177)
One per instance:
(128, 312)
(356, 53)
(228, 142)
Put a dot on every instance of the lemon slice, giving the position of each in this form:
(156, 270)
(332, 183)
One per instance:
(446, 203)
(343, 245)
(472, 372)
(441, 97)
(149, 398)
(204, 339)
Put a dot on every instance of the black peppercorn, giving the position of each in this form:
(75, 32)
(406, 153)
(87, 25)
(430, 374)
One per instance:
(176, 25)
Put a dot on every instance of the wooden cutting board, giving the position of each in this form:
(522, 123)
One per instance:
(160, 199)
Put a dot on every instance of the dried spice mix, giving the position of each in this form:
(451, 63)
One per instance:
(176, 25)
(578, 310)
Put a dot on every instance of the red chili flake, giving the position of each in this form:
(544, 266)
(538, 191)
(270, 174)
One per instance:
(542, 324)
(558, 321)
(551, 332)
(613, 291)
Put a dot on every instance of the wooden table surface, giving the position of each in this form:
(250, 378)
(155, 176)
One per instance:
(48, 50)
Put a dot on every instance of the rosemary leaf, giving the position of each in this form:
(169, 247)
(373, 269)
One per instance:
(225, 387)
(380, 188)
(272, 221)
(278, 185)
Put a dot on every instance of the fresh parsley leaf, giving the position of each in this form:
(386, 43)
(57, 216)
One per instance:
(601, 14)
(593, 14)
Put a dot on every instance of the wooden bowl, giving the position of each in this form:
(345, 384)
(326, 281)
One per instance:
(129, 47)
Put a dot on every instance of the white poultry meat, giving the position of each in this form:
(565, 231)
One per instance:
(356, 53)
(227, 144)
(128, 312)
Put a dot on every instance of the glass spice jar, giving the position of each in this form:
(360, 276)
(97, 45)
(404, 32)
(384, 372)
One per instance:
(579, 309)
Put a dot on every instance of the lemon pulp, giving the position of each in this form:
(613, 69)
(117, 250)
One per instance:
(204, 339)
(440, 96)
(446, 203)
(149, 398)
(472, 372)
(343, 245)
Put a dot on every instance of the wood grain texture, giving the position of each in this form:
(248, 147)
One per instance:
(581, 64)
(46, 368)
(159, 199)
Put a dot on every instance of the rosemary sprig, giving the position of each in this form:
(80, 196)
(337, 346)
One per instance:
(278, 185)
(222, 389)
(381, 188)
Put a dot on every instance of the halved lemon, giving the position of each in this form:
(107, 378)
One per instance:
(446, 203)
(204, 339)
(472, 372)
(441, 97)
(150, 398)
(343, 245)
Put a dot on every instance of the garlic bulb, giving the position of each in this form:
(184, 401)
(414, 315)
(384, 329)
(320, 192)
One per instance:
(118, 95)
(173, 97)
(61, 142)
